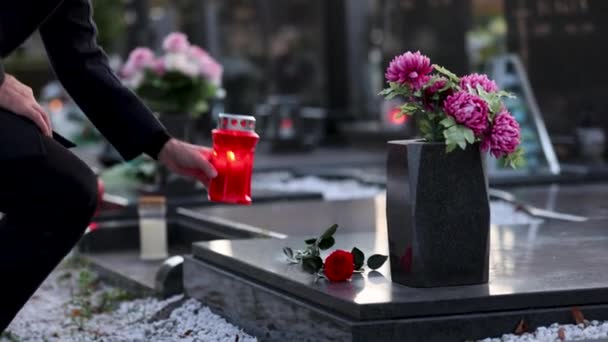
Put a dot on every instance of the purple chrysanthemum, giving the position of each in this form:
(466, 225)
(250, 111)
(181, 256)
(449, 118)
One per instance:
(468, 110)
(410, 69)
(504, 137)
(434, 89)
(473, 80)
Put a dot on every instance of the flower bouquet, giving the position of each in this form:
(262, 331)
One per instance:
(181, 81)
(438, 212)
(458, 111)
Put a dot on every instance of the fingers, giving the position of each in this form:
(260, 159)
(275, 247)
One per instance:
(203, 163)
(206, 167)
(19, 99)
(197, 174)
(46, 118)
(38, 119)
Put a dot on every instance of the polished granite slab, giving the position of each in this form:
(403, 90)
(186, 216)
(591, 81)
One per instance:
(537, 271)
(538, 267)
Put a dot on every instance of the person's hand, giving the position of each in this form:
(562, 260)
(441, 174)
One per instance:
(188, 160)
(19, 99)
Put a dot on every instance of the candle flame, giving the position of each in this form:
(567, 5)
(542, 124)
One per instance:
(231, 156)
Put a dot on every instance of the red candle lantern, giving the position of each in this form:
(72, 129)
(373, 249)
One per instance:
(234, 144)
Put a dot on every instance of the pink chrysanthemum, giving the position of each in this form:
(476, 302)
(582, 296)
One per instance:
(411, 69)
(473, 80)
(210, 68)
(504, 136)
(432, 90)
(139, 59)
(176, 42)
(158, 66)
(468, 110)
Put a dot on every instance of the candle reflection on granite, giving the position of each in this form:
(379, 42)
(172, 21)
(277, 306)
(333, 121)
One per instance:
(221, 246)
(381, 236)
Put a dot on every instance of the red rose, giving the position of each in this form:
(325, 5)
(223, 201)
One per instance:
(339, 266)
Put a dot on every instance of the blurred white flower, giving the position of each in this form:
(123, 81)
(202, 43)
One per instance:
(181, 63)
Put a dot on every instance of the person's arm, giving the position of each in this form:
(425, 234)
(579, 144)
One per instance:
(69, 36)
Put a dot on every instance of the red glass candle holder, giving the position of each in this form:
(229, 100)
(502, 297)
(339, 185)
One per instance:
(233, 154)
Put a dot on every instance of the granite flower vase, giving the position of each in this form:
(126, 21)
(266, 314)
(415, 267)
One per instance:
(438, 215)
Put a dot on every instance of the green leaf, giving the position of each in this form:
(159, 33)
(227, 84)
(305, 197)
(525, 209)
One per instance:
(327, 243)
(515, 159)
(481, 91)
(409, 108)
(469, 136)
(455, 136)
(450, 147)
(386, 92)
(288, 252)
(425, 126)
(445, 72)
(495, 106)
(359, 258)
(311, 241)
(376, 261)
(329, 232)
(506, 94)
(448, 122)
(312, 265)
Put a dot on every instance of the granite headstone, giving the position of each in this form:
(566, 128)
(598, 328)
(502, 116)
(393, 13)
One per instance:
(435, 27)
(562, 44)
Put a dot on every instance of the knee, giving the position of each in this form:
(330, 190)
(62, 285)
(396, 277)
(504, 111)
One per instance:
(72, 198)
(81, 196)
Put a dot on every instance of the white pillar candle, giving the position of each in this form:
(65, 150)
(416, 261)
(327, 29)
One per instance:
(153, 228)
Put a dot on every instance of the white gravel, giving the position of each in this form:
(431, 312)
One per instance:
(594, 331)
(55, 314)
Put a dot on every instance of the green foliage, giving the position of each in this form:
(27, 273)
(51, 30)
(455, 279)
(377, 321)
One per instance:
(376, 261)
(313, 248)
(394, 90)
(310, 258)
(88, 298)
(358, 257)
(410, 108)
(494, 100)
(448, 74)
(456, 135)
(515, 160)
(326, 243)
(108, 15)
(9, 336)
(431, 118)
(312, 264)
(176, 93)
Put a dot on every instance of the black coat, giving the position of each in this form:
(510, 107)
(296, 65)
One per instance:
(69, 36)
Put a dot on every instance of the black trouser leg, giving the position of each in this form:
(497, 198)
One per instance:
(48, 202)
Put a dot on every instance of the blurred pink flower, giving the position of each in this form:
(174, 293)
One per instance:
(209, 67)
(176, 42)
(139, 59)
(159, 66)
(504, 137)
(411, 69)
(473, 80)
(468, 110)
(196, 52)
